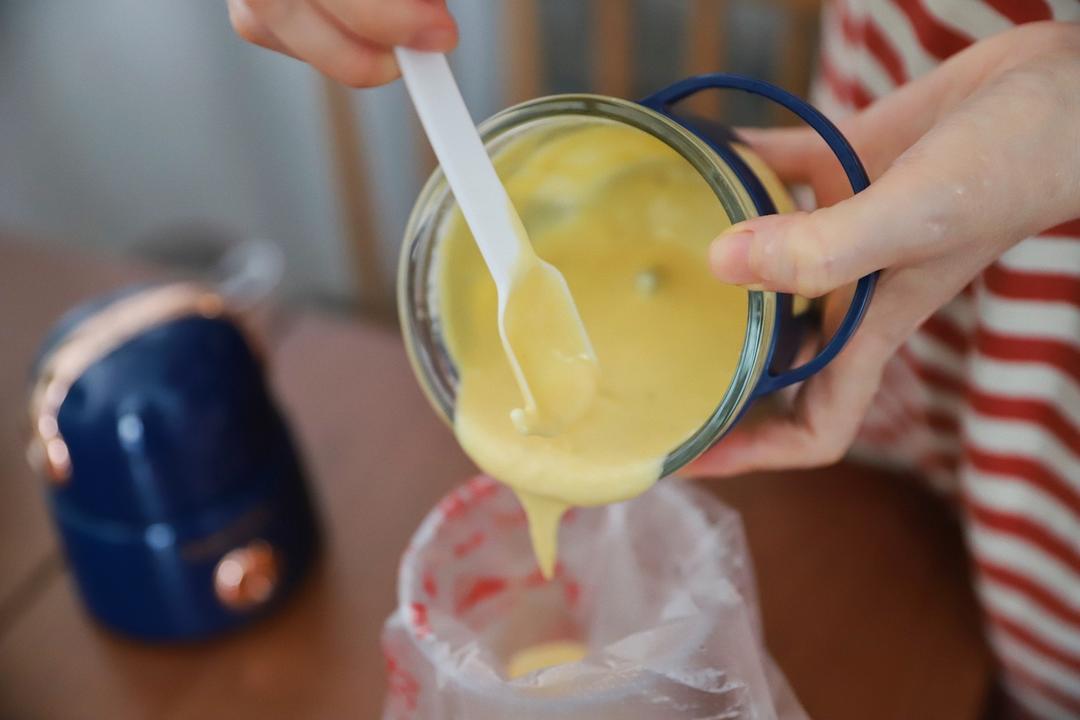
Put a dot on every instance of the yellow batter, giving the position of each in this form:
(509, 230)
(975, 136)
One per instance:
(556, 369)
(544, 655)
(628, 222)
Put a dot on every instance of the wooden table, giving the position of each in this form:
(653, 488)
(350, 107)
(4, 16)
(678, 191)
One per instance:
(862, 576)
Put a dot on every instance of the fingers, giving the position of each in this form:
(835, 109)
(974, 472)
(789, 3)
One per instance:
(419, 24)
(792, 153)
(964, 184)
(250, 28)
(953, 150)
(308, 33)
(956, 152)
(814, 253)
(829, 407)
(348, 40)
(826, 416)
(878, 134)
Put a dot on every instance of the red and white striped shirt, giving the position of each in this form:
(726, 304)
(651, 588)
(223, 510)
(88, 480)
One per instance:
(984, 399)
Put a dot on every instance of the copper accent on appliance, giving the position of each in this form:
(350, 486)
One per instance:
(246, 577)
(87, 343)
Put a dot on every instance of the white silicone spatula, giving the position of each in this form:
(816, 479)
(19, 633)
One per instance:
(476, 187)
(495, 226)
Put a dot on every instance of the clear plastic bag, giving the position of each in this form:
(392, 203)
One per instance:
(659, 588)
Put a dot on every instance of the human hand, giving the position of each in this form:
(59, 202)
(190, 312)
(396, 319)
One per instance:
(967, 161)
(351, 41)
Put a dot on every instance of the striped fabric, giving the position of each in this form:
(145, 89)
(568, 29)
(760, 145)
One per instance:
(985, 399)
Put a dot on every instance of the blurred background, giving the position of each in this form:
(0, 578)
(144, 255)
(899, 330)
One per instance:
(147, 131)
(148, 128)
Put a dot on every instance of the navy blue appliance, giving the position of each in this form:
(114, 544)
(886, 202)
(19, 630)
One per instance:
(172, 478)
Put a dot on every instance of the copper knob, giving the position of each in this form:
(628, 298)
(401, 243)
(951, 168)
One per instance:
(246, 577)
(46, 450)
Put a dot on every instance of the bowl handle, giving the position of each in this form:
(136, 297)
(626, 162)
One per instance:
(663, 101)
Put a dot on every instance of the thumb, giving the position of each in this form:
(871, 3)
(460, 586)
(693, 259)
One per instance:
(918, 209)
(810, 254)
